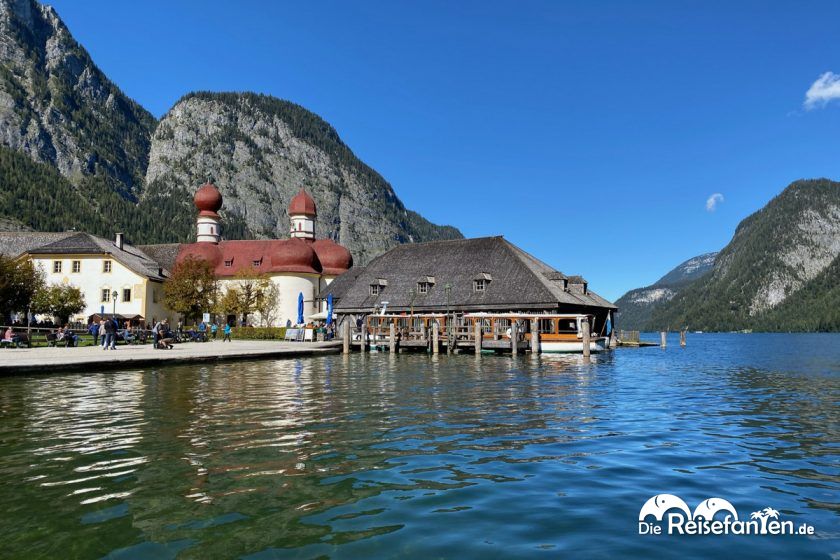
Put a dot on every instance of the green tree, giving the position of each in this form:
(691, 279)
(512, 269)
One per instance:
(59, 300)
(191, 289)
(20, 280)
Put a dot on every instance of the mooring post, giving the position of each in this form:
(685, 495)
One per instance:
(435, 337)
(535, 336)
(345, 335)
(682, 338)
(514, 338)
(585, 327)
(478, 335)
(662, 339)
(392, 338)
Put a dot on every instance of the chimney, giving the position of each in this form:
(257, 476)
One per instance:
(119, 240)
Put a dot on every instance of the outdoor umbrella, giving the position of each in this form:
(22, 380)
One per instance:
(300, 309)
(329, 309)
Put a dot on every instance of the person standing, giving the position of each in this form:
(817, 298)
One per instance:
(94, 330)
(102, 332)
(110, 335)
(214, 329)
(227, 333)
(156, 333)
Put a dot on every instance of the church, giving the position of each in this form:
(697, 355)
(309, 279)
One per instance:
(301, 264)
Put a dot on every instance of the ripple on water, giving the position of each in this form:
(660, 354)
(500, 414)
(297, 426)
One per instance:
(417, 456)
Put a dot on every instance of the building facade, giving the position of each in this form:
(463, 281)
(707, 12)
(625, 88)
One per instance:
(99, 268)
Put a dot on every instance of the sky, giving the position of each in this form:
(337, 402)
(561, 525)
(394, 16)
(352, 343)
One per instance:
(610, 139)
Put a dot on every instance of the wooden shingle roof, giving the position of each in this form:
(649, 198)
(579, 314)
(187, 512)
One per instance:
(514, 280)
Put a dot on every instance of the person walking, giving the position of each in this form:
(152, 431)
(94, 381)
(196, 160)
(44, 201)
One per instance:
(214, 329)
(227, 333)
(102, 332)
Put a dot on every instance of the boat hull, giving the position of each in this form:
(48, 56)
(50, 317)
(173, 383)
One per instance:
(572, 346)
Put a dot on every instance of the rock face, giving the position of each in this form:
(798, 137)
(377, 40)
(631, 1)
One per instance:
(61, 111)
(636, 306)
(777, 273)
(260, 151)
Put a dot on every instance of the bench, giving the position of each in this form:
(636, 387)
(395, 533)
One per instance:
(21, 340)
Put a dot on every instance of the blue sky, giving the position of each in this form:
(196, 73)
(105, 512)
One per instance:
(592, 134)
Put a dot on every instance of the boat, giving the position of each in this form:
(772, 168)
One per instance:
(558, 333)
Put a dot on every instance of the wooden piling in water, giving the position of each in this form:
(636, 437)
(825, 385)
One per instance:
(535, 336)
(662, 339)
(435, 338)
(682, 338)
(345, 336)
(586, 338)
(514, 338)
(392, 338)
(478, 335)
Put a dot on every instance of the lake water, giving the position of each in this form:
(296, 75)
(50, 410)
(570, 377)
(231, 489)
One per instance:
(413, 456)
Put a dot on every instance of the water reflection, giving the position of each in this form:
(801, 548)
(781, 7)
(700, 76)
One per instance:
(415, 456)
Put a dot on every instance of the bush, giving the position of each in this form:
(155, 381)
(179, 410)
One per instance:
(258, 333)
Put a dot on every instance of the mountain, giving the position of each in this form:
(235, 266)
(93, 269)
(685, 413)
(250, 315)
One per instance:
(259, 151)
(780, 271)
(636, 306)
(75, 152)
(59, 108)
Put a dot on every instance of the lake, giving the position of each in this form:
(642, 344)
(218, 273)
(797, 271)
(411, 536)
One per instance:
(414, 456)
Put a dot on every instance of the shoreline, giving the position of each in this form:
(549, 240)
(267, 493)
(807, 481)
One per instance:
(14, 361)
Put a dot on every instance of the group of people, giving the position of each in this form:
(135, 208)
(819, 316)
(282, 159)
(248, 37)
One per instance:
(9, 337)
(106, 329)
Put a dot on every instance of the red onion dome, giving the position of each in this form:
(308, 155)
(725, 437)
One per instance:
(201, 251)
(208, 199)
(334, 258)
(295, 255)
(302, 203)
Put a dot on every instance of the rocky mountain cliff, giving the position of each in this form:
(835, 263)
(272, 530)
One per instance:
(636, 306)
(260, 150)
(59, 108)
(779, 272)
(90, 147)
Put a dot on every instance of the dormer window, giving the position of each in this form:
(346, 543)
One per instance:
(257, 263)
(377, 286)
(228, 263)
(425, 284)
(480, 282)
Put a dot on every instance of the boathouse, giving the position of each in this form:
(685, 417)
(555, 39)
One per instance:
(457, 277)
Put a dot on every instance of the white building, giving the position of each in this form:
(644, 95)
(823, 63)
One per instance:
(98, 267)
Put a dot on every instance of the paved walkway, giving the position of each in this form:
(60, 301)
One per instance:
(46, 360)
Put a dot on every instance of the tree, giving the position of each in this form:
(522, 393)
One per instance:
(59, 300)
(267, 300)
(192, 288)
(20, 280)
(228, 303)
(248, 294)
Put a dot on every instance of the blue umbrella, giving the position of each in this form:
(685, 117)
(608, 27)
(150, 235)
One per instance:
(329, 309)
(300, 309)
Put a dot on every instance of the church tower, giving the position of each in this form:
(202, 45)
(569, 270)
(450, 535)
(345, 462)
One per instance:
(302, 213)
(208, 200)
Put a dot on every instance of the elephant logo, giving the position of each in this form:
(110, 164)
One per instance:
(659, 504)
(708, 508)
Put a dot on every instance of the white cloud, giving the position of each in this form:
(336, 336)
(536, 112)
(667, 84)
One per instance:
(822, 91)
(713, 201)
